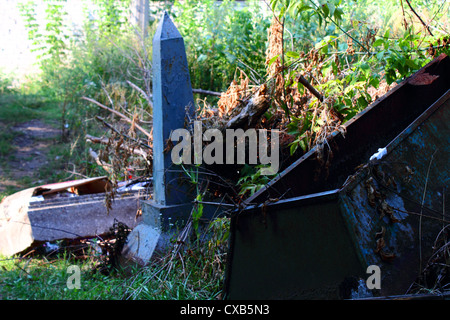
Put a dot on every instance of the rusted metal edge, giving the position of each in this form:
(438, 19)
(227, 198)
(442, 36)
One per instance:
(300, 200)
(360, 175)
(250, 201)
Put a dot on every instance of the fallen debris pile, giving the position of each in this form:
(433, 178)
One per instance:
(69, 210)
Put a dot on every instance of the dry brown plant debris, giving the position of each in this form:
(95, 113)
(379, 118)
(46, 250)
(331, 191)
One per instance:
(275, 51)
(234, 96)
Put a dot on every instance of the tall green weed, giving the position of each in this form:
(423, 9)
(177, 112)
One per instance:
(220, 38)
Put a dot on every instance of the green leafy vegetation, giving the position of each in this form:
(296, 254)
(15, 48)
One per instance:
(220, 38)
(347, 56)
(350, 51)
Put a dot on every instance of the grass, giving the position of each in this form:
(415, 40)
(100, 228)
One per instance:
(193, 274)
(38, 279)
(43, 279)
(6, 137)
(12, 111)
(16, 107)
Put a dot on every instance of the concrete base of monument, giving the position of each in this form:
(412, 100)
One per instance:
(159, 229)
(156, 230)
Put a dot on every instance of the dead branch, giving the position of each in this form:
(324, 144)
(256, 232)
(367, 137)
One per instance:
(93, 139)
(73, 172)
(211, 93)
(146, 96)
(107, 94)
(251, 113)
(118, 114)
(129, 114)
(95, 156)
(308, 86)
(423, 23)
(110, 126)
(105, 141)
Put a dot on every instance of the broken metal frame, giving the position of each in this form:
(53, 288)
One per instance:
(375, 126)
(299, 247)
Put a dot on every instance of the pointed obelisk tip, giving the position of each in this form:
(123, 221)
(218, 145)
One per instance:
(166, 28)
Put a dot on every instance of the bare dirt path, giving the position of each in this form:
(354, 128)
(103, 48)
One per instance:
(30, 148)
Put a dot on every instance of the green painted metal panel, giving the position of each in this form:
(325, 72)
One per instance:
(293, 249)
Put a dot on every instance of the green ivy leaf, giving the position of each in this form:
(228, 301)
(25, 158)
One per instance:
(365, 68)
(303, 144)
(292, 54)
(325, 10)
(410, 63)
(338, 13)
(273, 59)
(293, 147)
(374, 81)
(378, 42)
(274, 4)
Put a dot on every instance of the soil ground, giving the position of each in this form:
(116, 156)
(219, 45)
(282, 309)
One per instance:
(30, 152)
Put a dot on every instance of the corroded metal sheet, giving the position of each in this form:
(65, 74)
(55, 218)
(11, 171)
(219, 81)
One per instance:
(395, 207)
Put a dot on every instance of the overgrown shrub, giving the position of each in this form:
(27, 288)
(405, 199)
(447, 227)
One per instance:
(96, 62)
(220, 38)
